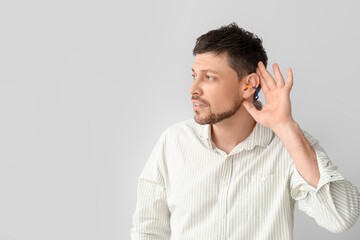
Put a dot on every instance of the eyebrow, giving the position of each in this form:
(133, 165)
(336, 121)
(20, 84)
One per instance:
(207, 70)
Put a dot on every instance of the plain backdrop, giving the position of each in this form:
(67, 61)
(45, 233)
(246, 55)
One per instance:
(87, 87)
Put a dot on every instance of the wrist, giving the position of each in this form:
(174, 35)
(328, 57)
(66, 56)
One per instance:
(286, 127)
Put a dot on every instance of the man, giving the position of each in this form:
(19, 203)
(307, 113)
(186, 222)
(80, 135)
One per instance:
(237, 168)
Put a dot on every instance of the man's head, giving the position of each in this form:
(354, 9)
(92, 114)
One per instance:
(244, 49)
(234, 54)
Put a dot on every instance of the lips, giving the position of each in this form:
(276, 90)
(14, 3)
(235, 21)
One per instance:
(198, 104)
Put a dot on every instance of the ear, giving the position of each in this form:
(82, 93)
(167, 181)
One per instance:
(254, 80)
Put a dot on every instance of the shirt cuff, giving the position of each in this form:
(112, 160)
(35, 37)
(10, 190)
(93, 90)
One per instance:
(328, 173)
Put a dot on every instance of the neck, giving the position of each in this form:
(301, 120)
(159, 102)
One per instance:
(228, 133)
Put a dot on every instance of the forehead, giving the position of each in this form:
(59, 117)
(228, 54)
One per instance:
(210, 61)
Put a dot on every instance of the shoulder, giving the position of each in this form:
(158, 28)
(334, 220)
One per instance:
(185, 127)
(183, 133)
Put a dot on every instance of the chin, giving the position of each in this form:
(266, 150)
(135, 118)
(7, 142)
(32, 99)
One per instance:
(200, 120)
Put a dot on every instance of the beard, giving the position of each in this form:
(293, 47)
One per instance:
(213, 118)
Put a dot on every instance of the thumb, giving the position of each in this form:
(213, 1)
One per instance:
(251, 108)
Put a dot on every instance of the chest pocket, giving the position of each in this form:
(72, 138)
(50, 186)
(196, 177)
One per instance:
(260, 196)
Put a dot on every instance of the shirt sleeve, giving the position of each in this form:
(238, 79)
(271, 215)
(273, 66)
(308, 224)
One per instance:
(151, 220)
(335, 203)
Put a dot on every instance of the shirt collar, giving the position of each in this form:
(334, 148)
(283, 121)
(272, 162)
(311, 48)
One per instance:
(260, 136)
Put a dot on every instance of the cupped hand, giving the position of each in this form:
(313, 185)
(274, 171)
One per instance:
(277, 109)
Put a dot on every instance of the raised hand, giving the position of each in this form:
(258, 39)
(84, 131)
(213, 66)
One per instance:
(277, 109)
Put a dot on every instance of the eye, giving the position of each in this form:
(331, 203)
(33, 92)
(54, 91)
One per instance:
(193, 76)
(210, 78)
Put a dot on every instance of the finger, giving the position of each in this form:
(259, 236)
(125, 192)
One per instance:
(279, 78)
(290, 80)
(267, 76)
(251, 109)
(263, 84)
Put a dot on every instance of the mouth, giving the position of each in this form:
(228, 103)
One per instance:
(198, 106)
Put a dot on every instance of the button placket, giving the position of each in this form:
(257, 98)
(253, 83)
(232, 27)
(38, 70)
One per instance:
(224, 185)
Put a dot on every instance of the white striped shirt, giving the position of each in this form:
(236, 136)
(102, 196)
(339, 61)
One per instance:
(190, 189)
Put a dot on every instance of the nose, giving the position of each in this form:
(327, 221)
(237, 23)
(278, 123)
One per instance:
(195, 88)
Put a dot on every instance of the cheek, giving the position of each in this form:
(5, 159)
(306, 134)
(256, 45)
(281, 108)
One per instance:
(227, 95)
(220, 97)
(221, 102)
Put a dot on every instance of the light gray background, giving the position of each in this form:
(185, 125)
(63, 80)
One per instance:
(87, 87)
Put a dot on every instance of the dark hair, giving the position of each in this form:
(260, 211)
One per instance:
(244, 49)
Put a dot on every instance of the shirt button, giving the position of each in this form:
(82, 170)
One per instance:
(263, 179)
(222, 215)
(225, 184)
(302, 193)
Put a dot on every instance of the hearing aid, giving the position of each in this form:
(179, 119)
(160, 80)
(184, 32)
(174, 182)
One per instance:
(257, 92)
